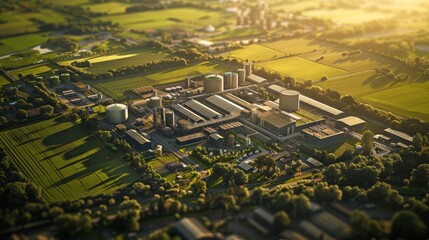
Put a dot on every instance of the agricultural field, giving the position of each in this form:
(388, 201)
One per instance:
(15, 44)
(301, 68)
(117, 88)
(237, 33)
(347, 16)
(65, 161)
(184, 18)
(19, 22)
(109, 7)
(255, 52)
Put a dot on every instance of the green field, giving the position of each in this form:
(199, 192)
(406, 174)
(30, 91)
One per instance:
(344, 16)
(178, 18)
(301, 68)
(3, 81)
(18, 22)
(255, 52)
(36, 70)
(64, 161)
(237, 33)
(14, 44)
(109, 7)
(117, 88)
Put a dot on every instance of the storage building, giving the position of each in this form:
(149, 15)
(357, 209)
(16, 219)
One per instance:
(138, 140)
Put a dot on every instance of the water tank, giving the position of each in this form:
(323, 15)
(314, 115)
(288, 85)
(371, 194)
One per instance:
(241, 75)
(155, 102)
(55, 81)
(248, 68)
(117, 113)
(227, 83)
(234, 81)
(289, 100)
(213, 83)
(65, 78)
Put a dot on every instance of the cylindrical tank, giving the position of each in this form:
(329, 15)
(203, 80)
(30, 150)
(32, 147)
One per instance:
(155, 102)
(213, 83)
(55, 81)
(289, 100)
(40, 79)
(234, 80)
(241, 75)
(231, 140)
(65, 78)
(158, 150)
(170, 119)
(227, 77)
(187, 82)
(117, 113)
(99, 95)
(248, 68)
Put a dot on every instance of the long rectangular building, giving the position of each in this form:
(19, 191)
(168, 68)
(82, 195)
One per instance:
(187, 113)
(323, 107)
(202, 109)
(224, 104)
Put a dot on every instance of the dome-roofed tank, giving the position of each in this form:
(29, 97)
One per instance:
(117, 113)
(213, 83)
(289, 100)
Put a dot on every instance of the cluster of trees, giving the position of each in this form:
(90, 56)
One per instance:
(46, 95)
(63, 43)
(230, 174)
(420, 62)
(146, 67)
(173, 4)
(357, 29)
(386, 72)
(82, 64)
(202, 154)
(351, 53)
(267, 166)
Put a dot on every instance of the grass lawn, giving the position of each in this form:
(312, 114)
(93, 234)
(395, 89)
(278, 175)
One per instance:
(301, 68)
(65, 161)
(36, 70)
(109, 7)
(177, 18)
(237, 33)
(3, 81)
(14, 44)
(118, 87)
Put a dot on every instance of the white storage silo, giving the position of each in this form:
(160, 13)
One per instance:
(117, 113)
(213, 83)
(289, 100)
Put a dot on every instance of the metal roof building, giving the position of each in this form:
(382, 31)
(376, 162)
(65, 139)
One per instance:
(192, 229)
(350, 122)
(202, 109)
(256, 79)
(138, 140)
(224, 104)
(239, 101)
(187, 113)
(398, 135)
(321, 106)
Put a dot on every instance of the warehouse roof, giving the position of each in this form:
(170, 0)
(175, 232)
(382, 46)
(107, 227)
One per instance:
(229, 126)
(275, 118)
(190, 228)
(245, 166)
(202, 109)
(351, 121)
(256, 79)
(216, 136)
(239, 101)
(187, 113)
(224, 104)
(137, 136)
(321, 106)
(191, 137)
(322, 131)
(276, 88)
(399, 134)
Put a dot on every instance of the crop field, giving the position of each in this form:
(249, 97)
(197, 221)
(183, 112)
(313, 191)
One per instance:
(17, 22)
(64, 161)
(255, 52)
(36, 70)
(177, 18)
(237, 33)
(301, 68)
(344, 16)
(118, 87)
(14, 44)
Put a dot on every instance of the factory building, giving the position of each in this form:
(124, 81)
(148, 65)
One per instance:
(241, 73)
(191, 138)
(202, 109)
(239, 101)
(137, 140)
(276, 122)
(289, 100)
(256, 79)
(216, 140)
(328, 110)
(116, 113)
(275, 90)
(398, 136)
(186, 113)
(224, 104)
(352, 123)
(323, 135)
(192, 229)
(213, 83)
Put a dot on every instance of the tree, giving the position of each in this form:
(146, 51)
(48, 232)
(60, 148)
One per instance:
(367, 142)
(73, 117)
(364, 227)
(68, 224)
(21, 114)
(406, 224)
(418, 142)
(46, 110)
(3, 120)
(420, 175)
(325, 193)
(332, 174)
(281, 221)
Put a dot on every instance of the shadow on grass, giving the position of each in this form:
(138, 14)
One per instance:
(87, 146)
(64, 137)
